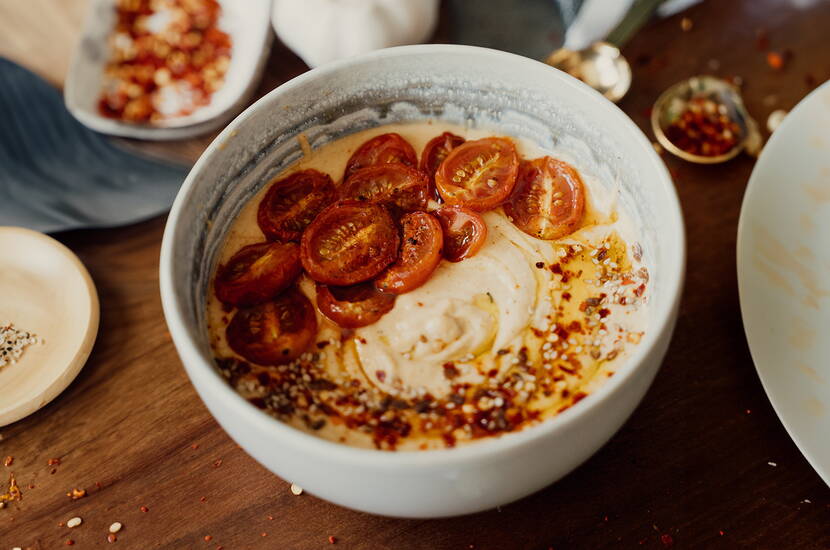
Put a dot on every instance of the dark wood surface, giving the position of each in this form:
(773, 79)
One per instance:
(691, 464)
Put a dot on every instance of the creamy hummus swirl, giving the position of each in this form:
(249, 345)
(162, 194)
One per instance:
(464, 314)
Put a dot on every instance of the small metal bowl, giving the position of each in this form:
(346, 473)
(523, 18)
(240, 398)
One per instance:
(672, 103)
(600, 66)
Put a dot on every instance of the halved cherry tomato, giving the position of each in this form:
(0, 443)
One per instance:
(464, 232)
(382, 149)
(390, 184)
(478, 174)
(274, 332)
(419, 256)
(349, 242)
(257, 273)
(435, 151)
(293, 202)
(548, 200)
(353, 306)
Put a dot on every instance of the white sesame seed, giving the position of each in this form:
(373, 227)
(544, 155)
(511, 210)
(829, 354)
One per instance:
(468, 408)
(74, 522)
(554, 355)
(115, 527)
(547, 345)
(593, 252)
(578, 349)
(807, 501)
(498, 401)
(773, 464)
(571, 341)
(450, 405)
(564, 357)
(296, 489)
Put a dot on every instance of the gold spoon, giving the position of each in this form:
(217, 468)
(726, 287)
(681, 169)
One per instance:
(673, 102)
(601, 65)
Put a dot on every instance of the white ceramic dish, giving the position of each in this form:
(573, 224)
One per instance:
(246, 22)
(784, 274)
(507, 94)
(46, 290)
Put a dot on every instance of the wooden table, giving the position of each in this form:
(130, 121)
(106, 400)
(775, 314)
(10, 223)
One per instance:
(692, 468)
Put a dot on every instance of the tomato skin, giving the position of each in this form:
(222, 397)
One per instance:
(465, 232)
(349, 242)
(257, 273)
(293, 202)
(383, 149)
(478, 174)
(420, 254)
(274, 332)
(391, 184)
(435, 151)
(548, 201)
(353, 306)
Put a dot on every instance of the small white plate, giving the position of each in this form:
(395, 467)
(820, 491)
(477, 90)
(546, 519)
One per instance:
(246, 22)
(45, 290)
(784, 274)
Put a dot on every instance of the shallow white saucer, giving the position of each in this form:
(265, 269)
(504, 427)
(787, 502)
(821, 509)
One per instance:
(45, 290)
(784, 274)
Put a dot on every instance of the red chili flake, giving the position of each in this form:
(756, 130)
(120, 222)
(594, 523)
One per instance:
(75, 494)
(70, 542)
(202, 499)
(270, 517)
(381, 375)
(191, 54)
(217, 463)
(54, 462)
(332, 540)
(263, 534)
(9, 461)
(775, 60)
(194, 446)
(704, 128)
(639, 290)
(208, 538)
(111, 537)
(810, 80)
(566, 296)
(53, 471)
(721, 533)
(450, 371)
(667, 540)
(748, 411)
(31, 486)
(144, 509)
(762, 39)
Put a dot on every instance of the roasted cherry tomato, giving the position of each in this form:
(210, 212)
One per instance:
(258, 273)
(548, 200)
(419, 256)
(391, 184)
(478, 174)
(349, 242)
(464, 232)
(274, 332)
(382, 149)
(353, 306)
(434, 154)
(293, 202)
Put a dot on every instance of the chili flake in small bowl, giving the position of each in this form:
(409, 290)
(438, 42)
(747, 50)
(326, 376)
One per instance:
(703, 120)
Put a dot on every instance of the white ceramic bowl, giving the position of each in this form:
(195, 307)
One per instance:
(249, 28)
(511, 95)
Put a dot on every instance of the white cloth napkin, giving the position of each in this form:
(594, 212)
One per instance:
(320, 31)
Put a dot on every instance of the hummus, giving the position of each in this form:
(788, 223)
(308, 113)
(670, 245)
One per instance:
(491, 344)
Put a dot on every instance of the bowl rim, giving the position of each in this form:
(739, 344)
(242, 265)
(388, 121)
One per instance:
(259, 421)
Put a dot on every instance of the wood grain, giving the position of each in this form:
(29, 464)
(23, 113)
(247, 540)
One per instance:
(691, 462)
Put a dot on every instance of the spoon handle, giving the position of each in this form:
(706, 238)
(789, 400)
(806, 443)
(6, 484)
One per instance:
(636, 17)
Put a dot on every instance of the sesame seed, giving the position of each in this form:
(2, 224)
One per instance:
(773, 464)
(115, 527)
(296, 490)
(74, 522)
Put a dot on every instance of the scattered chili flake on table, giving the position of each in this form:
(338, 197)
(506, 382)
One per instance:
(8, 462)
(70, 542)
(775, 60)
(217, 463)
(144, 509)
(704, 128)
(667, 540)
(167, 58)
(75, 494)
(332, 540)
(54, 462)
(208, 538)
(686, 24)
(112, 537)
(14, 492)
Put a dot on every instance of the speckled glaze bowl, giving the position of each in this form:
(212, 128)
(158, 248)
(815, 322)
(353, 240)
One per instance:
(506, 93)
